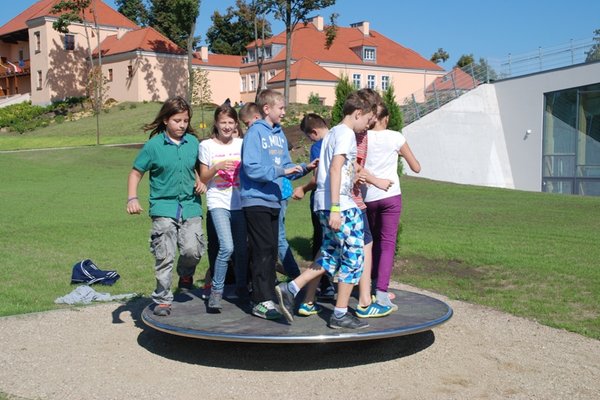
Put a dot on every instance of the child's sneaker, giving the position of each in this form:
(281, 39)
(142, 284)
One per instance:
(266, 310)
(286, 301)
(327, 293)
(308, 309)
(347, 321)
(373, 310)
(162, 310)
(214, 301)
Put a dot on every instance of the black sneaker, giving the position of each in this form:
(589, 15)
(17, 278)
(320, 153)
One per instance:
(186, 283)
(286, 301)
(347, 321)
(266, 310)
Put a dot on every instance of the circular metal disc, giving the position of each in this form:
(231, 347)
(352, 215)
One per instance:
(190, 317)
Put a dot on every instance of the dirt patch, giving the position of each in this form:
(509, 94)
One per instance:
(106, 352)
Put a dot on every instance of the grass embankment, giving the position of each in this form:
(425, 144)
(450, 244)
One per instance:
(530, 254)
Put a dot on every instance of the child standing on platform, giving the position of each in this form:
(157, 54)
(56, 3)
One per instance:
(220, 158)
(384, 206)
(342, 252)
(170, 156)
(265, 159)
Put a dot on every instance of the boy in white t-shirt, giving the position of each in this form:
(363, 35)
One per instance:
(342, 251)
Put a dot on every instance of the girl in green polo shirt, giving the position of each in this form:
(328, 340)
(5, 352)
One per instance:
(170, 157)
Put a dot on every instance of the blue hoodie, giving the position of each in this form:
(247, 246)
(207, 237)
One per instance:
(265, 156)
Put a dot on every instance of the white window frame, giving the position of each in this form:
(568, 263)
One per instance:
(38, 42)
(356, 78)
(40, 81)
(385, 82)
(69, 41)
(372, 82)
(369, 54)
(252, 82)
(243, 84)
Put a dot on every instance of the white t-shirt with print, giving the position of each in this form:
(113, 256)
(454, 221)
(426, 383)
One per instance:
(224, 188)
(340, 140)
(382, 161)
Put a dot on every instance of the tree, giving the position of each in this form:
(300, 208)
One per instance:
(331, 30)
(135, 10)
(173, 18)
(439, 56)
(232, 31)
(72, 11)
(201, 91)
(389, 99)
(464, 60)
(594, 53)
(342, 89)
(290, 12)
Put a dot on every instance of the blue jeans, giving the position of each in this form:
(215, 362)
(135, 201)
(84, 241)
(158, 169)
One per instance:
(231, 231)
(283, 247)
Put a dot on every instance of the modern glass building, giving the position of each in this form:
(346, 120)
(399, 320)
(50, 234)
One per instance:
(571, 141)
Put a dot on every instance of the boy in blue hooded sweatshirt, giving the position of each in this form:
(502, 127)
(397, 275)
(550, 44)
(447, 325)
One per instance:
(265, 161)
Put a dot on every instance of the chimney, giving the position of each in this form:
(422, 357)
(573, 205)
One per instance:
(318, 22)
(362, 26)
(204, 53)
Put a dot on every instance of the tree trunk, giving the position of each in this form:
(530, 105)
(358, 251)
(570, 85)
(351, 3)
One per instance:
(288, 51)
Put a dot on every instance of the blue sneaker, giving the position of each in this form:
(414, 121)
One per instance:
(308, 309)
(374, 310)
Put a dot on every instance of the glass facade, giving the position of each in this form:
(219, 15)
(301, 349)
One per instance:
(571, 141)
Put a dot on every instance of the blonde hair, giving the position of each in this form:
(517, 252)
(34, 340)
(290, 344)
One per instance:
(267, 97)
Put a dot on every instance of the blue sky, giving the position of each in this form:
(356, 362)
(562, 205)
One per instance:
(486, 29)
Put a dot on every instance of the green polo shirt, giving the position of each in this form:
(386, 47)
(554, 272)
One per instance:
(172, 176)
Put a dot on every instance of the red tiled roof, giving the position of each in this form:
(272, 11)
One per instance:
(218, 60)
(308, 42)
(455, 79)
(307, 70)
(105, 16)
(145, 39)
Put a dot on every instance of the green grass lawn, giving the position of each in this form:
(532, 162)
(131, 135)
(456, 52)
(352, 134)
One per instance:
(120, 124)
(530, 254)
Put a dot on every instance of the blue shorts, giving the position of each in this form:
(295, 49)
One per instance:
(366, 227)
(342, 251)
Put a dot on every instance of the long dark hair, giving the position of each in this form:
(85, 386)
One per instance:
(172, 106)
(228, 111)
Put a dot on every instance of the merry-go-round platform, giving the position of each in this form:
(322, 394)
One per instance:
(190, 317)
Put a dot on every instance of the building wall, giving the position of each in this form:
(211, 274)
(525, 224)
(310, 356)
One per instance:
(224, 84)
(64, 73)
(521, 104)
(492, 135)
(406, 82)
(463, 141)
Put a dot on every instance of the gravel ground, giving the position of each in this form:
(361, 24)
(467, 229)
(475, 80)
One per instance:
(106, 352)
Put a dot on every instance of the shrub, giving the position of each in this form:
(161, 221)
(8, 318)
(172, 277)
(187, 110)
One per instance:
(314, 99)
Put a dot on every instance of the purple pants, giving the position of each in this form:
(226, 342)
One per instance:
(384, 218)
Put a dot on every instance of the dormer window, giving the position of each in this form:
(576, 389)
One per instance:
(369, 54)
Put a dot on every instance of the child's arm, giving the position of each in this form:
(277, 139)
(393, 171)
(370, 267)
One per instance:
(300, 191)
(410, 158)
(199, 186)
(364, 176)
(335, 178)
(133, 180)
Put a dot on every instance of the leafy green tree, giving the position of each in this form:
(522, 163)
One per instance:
(290, 12)
(440, 56)
(174, 18)
(389, 99)
(342, 89)
(201, 92)
(594, 52)
(231, 32)
(464, 60)
(135, 10)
